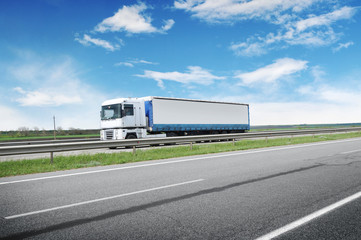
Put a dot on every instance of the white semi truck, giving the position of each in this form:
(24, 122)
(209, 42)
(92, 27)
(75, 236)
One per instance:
(129, 118)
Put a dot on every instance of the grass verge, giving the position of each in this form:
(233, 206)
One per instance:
(13, 168)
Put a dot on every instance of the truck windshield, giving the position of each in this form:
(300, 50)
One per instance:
(111, 111)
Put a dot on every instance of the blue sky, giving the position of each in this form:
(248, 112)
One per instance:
(293, 61)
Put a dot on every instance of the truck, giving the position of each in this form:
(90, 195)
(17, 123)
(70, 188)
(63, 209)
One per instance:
(131, 118)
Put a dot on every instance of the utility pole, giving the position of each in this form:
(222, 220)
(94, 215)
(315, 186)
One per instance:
(54, 128)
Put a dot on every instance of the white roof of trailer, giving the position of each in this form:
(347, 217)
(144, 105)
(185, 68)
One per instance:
(149, 98)
(190, 100)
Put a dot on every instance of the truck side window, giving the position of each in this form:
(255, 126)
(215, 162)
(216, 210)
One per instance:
(128, 109)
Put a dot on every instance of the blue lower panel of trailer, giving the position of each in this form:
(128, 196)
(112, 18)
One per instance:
(198, 127)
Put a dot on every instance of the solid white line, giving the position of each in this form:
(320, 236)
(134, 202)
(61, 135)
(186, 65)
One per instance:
(309, 218)
(180, 161)
(351, 151)
(101, 199)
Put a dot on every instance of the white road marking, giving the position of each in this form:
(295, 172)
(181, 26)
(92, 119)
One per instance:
(309, 218)
(100, 199)
(351, 151)
(183, 160)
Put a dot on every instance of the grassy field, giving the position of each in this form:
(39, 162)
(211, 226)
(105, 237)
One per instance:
(12, 168)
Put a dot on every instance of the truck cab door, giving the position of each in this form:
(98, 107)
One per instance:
(128, 116)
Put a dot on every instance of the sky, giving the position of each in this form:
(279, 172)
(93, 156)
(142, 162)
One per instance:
(292, 61)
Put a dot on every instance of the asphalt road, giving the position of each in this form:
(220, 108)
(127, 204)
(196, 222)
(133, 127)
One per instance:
(236, 195)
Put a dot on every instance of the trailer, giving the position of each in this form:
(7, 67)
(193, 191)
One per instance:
(125, 118)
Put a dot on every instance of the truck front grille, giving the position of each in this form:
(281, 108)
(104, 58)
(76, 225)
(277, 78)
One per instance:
(109, 134)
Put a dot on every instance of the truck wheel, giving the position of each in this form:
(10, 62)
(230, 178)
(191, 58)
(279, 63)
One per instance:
(131, 136)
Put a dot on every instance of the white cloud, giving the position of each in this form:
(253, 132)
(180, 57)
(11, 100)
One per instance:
(195, 74)
(342, 45)
(311, 38)
(325, 19)
(144, 62)
(133, 62)
(226, 10)
(273, 72)
(249, 48)
(294, 29)
(126, 64)
(131, 19)
(285, 37)
(87, 40)
(312, 31)
(317, 73)
(168, 24)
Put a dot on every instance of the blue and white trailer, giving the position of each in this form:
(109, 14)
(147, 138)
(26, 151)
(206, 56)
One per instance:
(124, 118)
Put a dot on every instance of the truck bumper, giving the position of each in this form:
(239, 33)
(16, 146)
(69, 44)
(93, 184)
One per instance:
(112, 134)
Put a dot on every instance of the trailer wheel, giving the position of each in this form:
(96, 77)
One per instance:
(171, 134)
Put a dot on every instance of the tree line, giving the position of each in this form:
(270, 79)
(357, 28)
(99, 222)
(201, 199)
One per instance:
(37, 132)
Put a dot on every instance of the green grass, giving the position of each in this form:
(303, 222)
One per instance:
(12, 168)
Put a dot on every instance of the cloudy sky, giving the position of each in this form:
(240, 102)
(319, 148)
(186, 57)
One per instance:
(293, 61)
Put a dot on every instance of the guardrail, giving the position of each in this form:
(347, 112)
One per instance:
(61, 147)
(44, 141)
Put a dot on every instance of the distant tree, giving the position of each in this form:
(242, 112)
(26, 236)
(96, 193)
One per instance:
(43, 132)
(71, 131)
(75, 131)
(23, 132)
(60, 131)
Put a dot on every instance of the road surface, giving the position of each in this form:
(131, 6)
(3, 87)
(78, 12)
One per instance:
(286, 192)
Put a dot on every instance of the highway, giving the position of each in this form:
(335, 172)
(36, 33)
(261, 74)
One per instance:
(307, 191)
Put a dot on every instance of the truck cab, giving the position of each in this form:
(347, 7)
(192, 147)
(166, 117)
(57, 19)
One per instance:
(123, 118)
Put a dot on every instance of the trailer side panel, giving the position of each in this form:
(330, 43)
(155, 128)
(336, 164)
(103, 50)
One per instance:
(186, 115)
